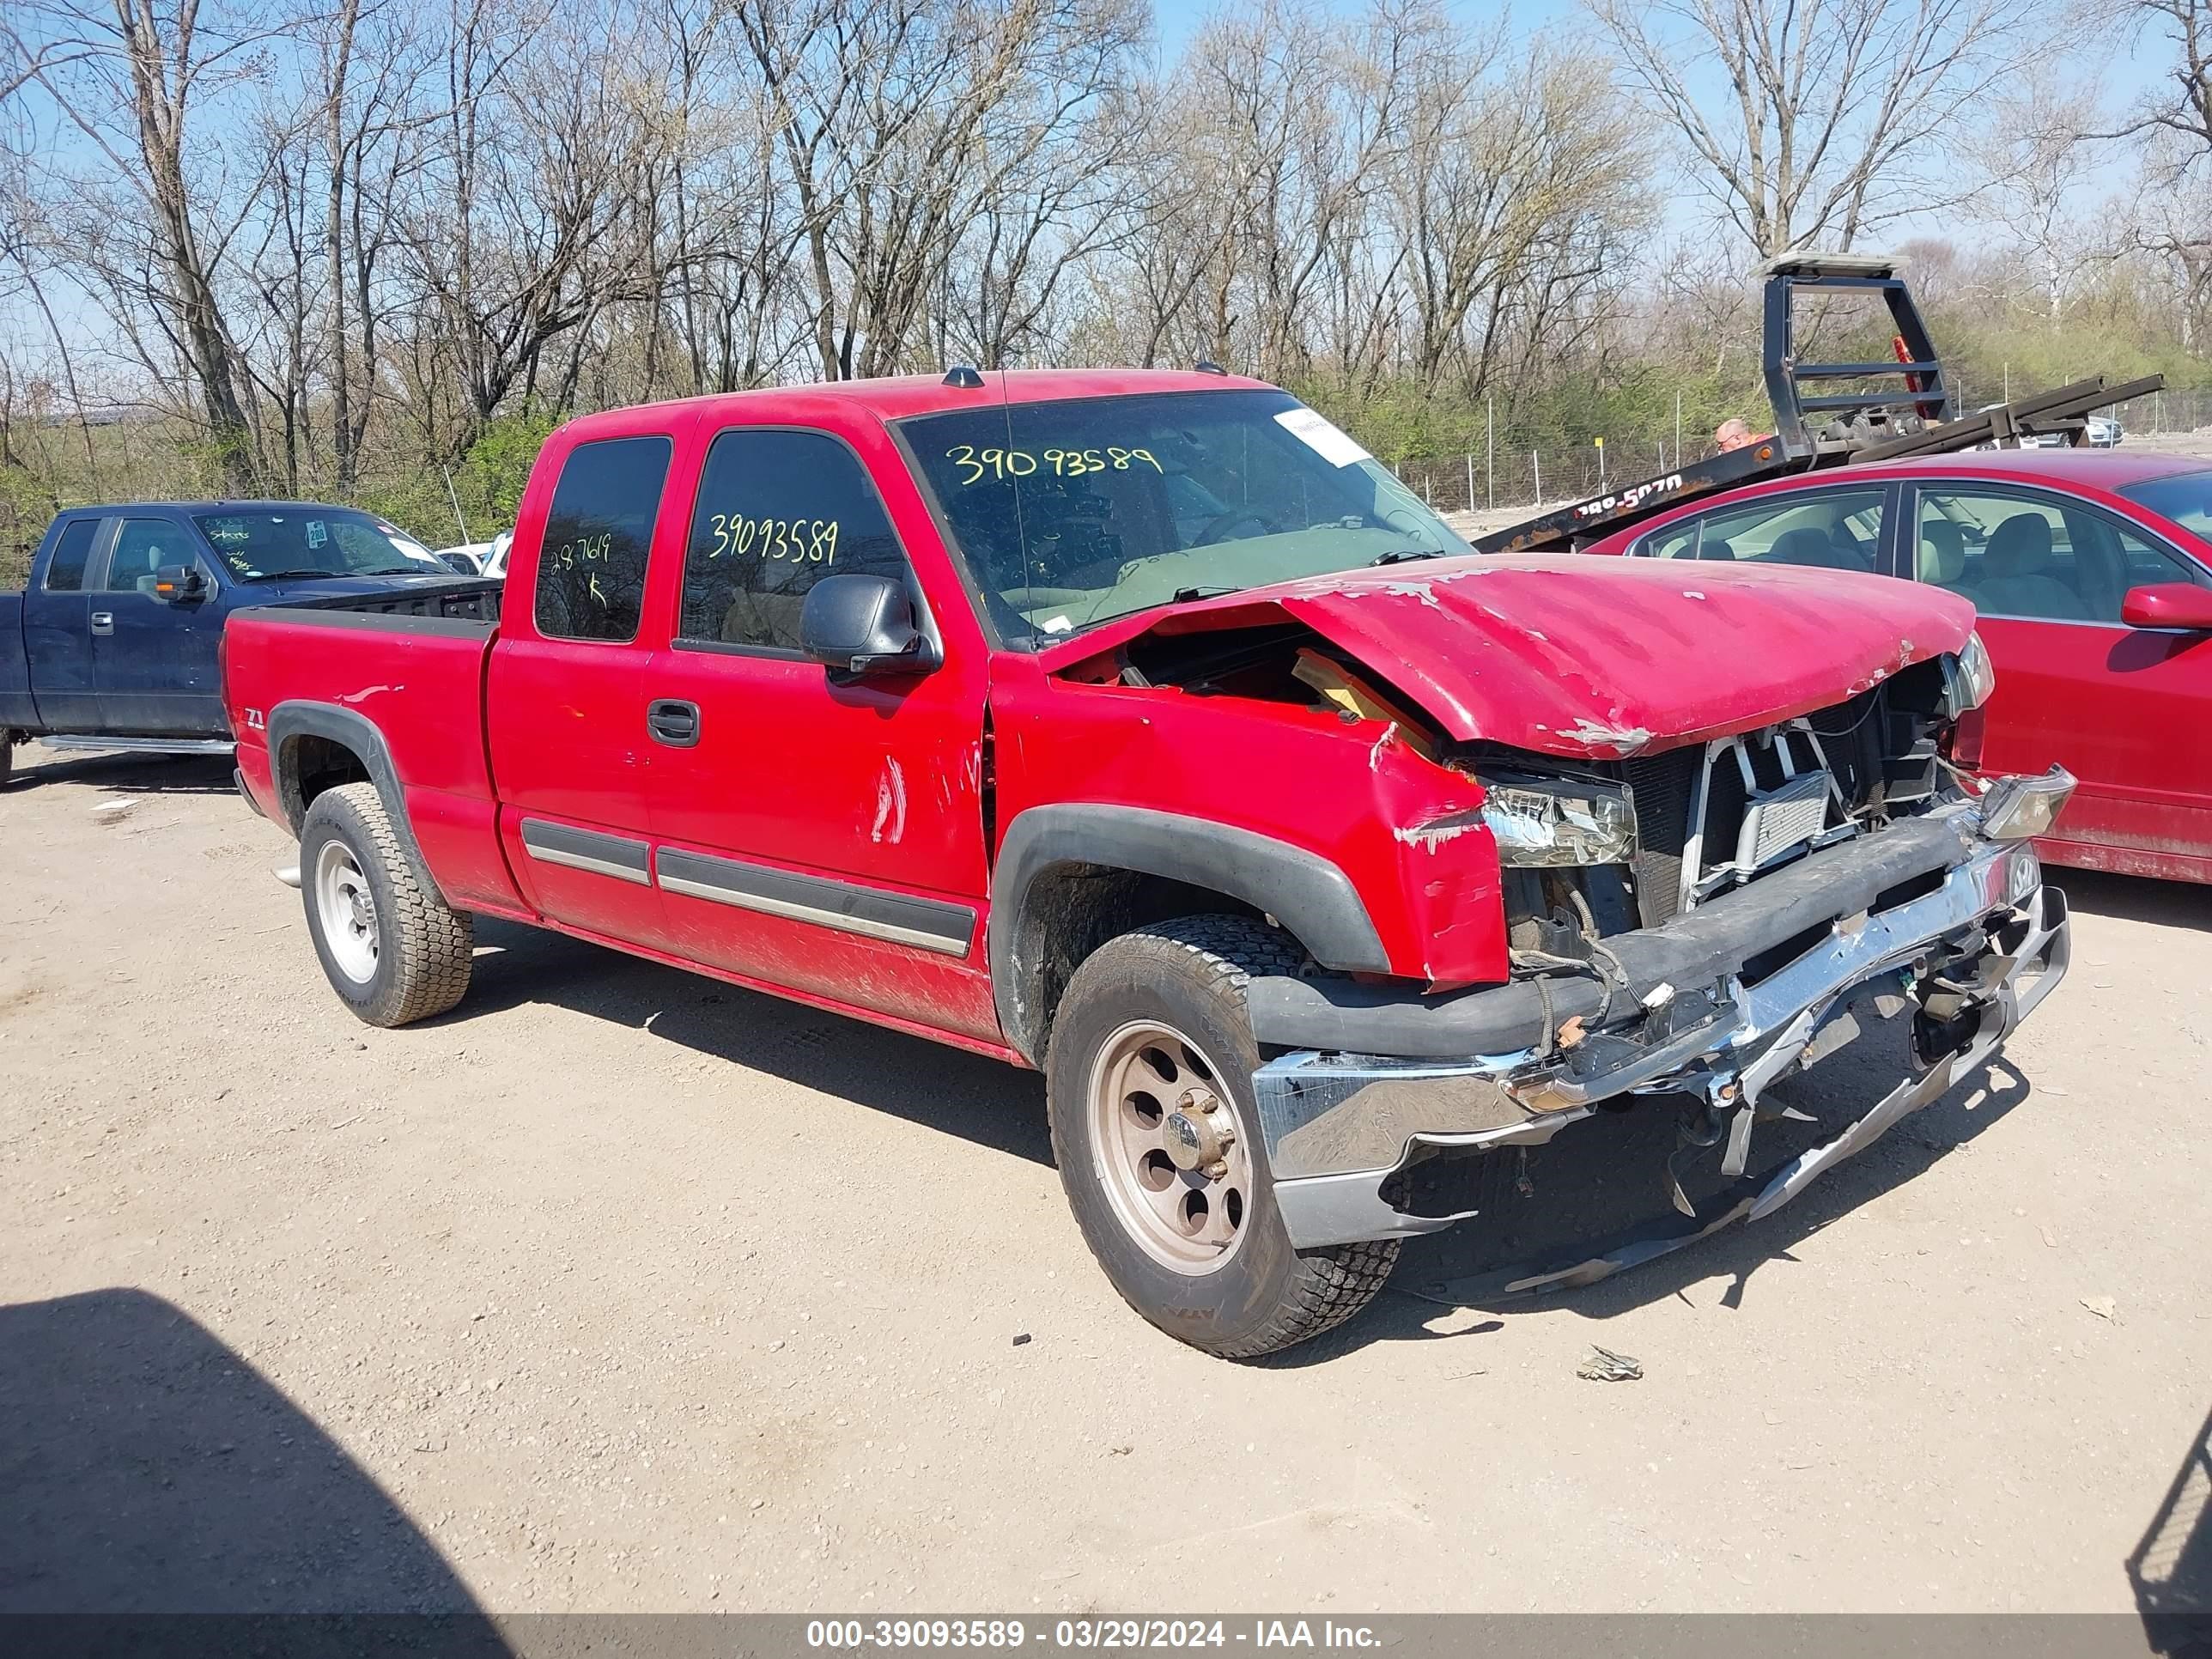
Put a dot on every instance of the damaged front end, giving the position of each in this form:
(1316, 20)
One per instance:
(1769, 928)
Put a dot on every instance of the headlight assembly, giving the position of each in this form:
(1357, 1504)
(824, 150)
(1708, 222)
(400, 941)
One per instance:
(2016, 809)
(1544, 821)
(1968, 678)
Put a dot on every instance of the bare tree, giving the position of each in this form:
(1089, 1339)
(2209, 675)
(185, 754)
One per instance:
(2032, 155)
(1814, 121)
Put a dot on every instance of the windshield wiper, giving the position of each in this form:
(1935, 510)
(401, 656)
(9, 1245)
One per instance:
(1401, 555)
(1186, 595)
(279, 576)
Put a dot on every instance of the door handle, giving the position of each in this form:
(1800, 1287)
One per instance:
(672, 721)
(103, 622)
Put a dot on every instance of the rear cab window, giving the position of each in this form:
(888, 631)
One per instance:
(72, 552)
(598, 532)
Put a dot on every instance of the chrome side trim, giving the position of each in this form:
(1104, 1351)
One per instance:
(896, 918)
(618, 856)
(142, 746)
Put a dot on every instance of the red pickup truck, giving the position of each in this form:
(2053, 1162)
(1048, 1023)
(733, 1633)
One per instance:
(1141, 728)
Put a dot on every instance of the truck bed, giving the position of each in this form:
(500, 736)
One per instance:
(405, 671)
(470, 599)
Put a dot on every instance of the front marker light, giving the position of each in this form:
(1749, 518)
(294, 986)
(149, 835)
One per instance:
(1968, 678)
(2017, 809)
(1540, 822)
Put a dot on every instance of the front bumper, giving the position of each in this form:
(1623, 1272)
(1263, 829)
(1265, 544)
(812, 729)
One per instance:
(1979, 942)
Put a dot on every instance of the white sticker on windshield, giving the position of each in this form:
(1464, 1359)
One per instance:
(1317, 434)
(316, 535)
(1055, 624)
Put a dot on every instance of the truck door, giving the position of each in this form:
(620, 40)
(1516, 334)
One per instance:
(565, 694)
(152, 661)
(818, 837)
(57, 630)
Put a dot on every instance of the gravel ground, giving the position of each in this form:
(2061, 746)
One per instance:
(621, 1290)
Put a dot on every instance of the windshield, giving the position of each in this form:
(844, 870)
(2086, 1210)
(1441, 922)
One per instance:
(2184, 497)
(1072, 512)
(304, 541)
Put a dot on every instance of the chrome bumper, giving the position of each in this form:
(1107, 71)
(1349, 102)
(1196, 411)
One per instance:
(1338, 1127)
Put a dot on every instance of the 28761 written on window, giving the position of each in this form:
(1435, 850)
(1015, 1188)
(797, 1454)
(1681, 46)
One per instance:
(590, 575)
(777, 512)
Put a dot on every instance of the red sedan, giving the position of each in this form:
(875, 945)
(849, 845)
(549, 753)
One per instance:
(2093, 574)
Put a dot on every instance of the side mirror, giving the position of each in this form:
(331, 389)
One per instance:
(862, 625)
(180, 584)
(2168, 605)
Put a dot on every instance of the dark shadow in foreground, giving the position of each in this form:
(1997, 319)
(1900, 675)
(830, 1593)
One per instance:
(150, 1470)
(2170, 1570)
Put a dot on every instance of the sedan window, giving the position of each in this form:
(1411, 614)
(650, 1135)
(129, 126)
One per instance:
(2023, 556)
(1832, 529)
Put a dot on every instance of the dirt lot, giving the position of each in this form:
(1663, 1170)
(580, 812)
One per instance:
(622, 1290)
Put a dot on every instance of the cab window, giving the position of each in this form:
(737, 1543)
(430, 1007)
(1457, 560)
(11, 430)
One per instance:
(72, 550)
(1833, 530)
(2035, 558)
(777, 511)
(591, 569)
(141, 548)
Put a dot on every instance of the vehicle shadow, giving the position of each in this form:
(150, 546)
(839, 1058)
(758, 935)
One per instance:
(975, 1098)
(2170, 1570)
(1595, 1179)
(2138, 898)
(120, 773)
(1544, 1209)
(148, 1469)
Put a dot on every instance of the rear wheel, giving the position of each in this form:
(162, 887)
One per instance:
(390, 946)
(1149, 1077)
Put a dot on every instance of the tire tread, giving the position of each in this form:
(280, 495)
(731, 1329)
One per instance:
(1329, 1285)
(436, 943)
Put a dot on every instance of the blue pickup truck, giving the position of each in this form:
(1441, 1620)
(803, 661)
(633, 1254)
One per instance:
(112, 644)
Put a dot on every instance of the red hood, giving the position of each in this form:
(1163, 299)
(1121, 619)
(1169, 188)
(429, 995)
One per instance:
(1602, 658)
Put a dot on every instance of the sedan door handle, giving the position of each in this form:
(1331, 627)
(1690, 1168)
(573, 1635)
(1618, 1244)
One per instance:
(103, 622)
(673, 722)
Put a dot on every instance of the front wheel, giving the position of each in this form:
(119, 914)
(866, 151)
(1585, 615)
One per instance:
(390, 948)
(1149, 1082)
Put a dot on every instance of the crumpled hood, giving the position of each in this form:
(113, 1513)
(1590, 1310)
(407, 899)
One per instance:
(1568, 654)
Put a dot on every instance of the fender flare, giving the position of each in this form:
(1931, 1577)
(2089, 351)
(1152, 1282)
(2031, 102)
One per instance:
(1308, 894)
(290, 721)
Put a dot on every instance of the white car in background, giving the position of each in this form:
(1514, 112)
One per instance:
(2104, 432)
(479, 558)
